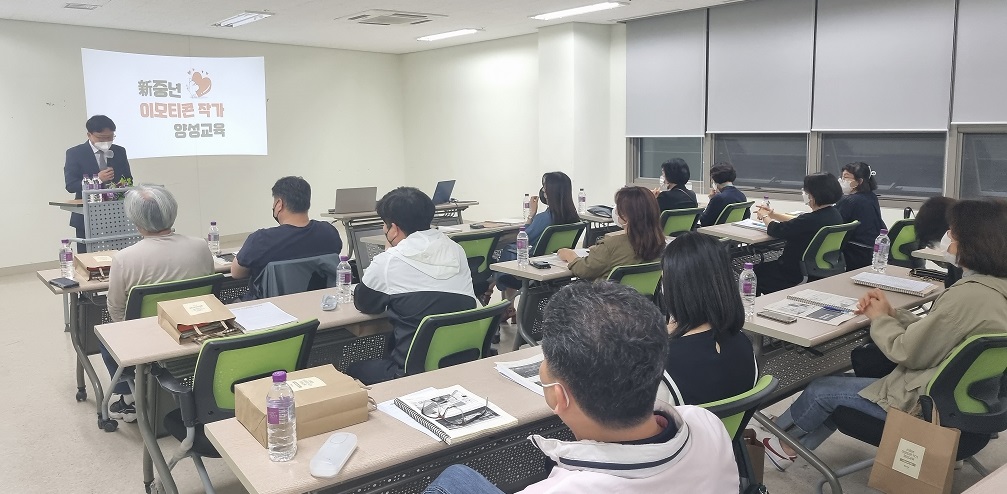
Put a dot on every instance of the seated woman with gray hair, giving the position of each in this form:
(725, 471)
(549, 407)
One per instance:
(160, 256)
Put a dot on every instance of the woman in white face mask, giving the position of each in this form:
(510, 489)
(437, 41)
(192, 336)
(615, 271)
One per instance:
(821, 191)
(860, 203)
(976, 305)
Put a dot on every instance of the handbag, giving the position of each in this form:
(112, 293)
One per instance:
(869, 361)
(915, 456)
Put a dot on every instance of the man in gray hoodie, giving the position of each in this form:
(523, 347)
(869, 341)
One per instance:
(421, 273)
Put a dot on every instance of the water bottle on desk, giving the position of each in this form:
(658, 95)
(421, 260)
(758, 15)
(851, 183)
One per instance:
(85, 186)
(522, 248)
(526, 207)
(66, 260)
(881, 246)
(281, 426)
(213, 239)
(747, 284)
(581, 201)
(344, 278)
(95, 186)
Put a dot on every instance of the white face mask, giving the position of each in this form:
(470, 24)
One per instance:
(846, 185)
(806, 198)
(104, 146)
(713, 186)
(617, 219)
(946, 242)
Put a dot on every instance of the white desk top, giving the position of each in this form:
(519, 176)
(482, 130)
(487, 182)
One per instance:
(141, 341)
(586, 216)
(382, 441)
(808, 333)
(528, 272)
(369, 214)
(994, 483)
(929, 254)
(737, 233)
(88, 286)
(449, 230)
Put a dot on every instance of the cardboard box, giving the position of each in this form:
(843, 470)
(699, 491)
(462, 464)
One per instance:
(324, 400)
(93, 264)
(204, 309)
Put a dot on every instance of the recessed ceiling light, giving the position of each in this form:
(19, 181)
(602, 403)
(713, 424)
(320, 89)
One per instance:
(449, 34)
(242, 19)
(579, 10)
(80, 6)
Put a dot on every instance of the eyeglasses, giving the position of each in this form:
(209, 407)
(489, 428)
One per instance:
(447, 409)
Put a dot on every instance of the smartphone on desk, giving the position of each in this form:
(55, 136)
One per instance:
(776, 316)
(539, 264)
(64, 283)
(228, 257)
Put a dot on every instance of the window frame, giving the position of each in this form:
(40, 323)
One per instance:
(634, 152)
(774, 193)
(956, 140)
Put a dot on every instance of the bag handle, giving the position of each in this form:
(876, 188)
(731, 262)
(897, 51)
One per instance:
(935, 416)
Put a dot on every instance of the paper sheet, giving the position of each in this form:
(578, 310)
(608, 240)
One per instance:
(396, 413)
(261, 316)
(509, 221)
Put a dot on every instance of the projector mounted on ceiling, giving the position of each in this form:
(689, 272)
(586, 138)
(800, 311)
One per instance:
(391, 18)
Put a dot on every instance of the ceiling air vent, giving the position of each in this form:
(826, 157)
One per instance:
(391, 18)
(80, 6)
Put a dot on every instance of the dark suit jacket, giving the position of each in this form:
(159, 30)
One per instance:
(677, 198)
(798, 233)
(81, 159)
(719, 201)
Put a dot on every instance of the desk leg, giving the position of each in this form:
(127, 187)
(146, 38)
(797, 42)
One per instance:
(803, 452)
(66, 312)
(351, 237)
(152, 450)
(77, 335)
(522, 335)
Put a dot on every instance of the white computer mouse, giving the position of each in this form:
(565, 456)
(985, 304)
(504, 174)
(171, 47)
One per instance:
(331, 457)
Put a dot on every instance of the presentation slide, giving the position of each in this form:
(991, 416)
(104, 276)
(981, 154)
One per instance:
(179, 106)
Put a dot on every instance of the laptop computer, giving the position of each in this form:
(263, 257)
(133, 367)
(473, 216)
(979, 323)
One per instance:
(442, 194)
(356, 200)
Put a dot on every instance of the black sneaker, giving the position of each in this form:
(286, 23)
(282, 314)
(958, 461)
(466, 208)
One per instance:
(123, 409)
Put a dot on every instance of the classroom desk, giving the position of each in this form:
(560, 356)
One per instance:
(994, 483)
(71, 205)
(596, 226)
(451, 231)
(142, 342)
(929, 254)
(527, 275)
(393, 457)
(821, 349)
(736, 233)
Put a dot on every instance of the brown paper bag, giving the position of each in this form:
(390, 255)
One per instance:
(915, 456)
(756, 454)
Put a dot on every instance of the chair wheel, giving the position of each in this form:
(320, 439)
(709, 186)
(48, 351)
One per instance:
(81, 395)
(108, 426)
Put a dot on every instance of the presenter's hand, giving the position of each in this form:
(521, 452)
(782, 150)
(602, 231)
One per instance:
(106, 175)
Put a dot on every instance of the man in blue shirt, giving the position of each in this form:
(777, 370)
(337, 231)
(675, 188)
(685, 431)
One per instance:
(296, 237)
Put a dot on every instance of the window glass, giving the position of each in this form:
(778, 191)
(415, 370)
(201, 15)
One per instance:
(984, 166)
(657, 150)
(906, 165)
(773, 161)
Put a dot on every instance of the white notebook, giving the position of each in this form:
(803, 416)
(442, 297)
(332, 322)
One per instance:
(894, 284)
(262, 316)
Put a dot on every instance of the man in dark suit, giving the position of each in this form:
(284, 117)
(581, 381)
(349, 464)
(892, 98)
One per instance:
(96, 156)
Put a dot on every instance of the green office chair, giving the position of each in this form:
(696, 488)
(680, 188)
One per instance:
(970, 391)
(222, 363)
(643, 277)
(903, 237)
(479, 249)
(142, 302)
(824, 255)
(679, 221)
(733, 213)
(558, 237)
(736, 412)
(444, 340)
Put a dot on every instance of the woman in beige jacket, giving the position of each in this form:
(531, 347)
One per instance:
(975, 305)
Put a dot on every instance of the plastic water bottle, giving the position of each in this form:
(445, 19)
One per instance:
(281, 426)
(213, 239)
(526, 207)
(85, 185)
(88, 188)
(344, 278)
(581, 201)
(66, 260)
(522, 248)
(765, 202)
(747, 284)
(881, 246)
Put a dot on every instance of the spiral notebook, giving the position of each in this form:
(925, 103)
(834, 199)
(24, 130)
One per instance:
(894, 284)
(817, 306)
(454, 414)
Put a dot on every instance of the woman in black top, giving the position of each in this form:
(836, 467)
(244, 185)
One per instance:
(821, 191)
(709, 358)
(860, 203)
(676, 175)
(722, 194)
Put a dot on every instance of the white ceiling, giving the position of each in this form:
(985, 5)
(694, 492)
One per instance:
(313, 22)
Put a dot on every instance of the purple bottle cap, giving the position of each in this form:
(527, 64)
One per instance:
(748, 265)
(280, 377)
(213, 223)
(521, 228)
(884, 232)
(344, 258)
(66, 240)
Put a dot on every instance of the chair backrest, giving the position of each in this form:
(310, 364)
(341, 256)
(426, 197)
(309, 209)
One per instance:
(142, 299)
(824, 255)
(444, 340)
(733, 213)
(478, 249)
(224, 362)
(643, 277)
(558, 237)
(736, 411)
(970, 386)
(297, 275)
(904, 242)
(678, 221)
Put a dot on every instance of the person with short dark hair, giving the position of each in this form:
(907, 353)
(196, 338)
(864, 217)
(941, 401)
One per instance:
(296, 237)
(860, 203)
(932, 220)
(603, 348)
(722, 193)
(820, 193)
(640, 240)
(975, 305)
(677, 196)
(422, 272)
(709, 358)
(97, 156)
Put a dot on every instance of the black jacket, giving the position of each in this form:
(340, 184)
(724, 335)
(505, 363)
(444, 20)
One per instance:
(677, 198)
(730, 195)
(81, 159)
(798, 233)
(862, 207)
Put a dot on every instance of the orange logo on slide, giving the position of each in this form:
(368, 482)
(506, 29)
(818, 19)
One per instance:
(199, 84)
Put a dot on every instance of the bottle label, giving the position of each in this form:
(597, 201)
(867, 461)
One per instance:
(522, 244)
(877, 247)
(273, 415)
(67, 256)
(746, 288)
(346, 278)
